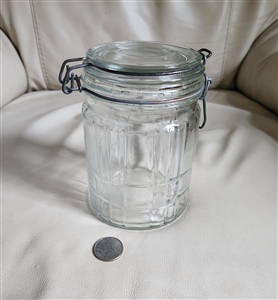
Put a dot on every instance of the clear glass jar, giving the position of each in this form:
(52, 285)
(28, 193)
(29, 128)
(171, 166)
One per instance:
(141, 118)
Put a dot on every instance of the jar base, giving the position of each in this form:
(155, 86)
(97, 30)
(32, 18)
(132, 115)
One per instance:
(153, 223)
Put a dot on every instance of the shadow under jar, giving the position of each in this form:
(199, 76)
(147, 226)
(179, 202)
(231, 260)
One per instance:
(141, 118)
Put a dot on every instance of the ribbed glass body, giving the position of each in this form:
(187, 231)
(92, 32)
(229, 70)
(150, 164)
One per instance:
(139, 160)
(140, 136)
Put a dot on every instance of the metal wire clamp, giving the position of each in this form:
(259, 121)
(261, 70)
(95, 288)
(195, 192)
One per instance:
(75, 81)
(70, 76)
(207, 83)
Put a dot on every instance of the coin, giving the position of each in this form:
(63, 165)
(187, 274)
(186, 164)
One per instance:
(108, 248)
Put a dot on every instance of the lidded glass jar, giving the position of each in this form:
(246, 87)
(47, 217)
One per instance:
(141, 118)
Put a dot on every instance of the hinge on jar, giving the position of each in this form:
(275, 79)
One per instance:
(75, 83)
(205, 57)
(207, 83)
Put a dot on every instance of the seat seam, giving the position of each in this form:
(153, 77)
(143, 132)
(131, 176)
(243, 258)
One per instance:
(38, 41)
(226, 44)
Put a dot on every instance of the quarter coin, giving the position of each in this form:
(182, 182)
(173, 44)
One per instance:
(108, 248)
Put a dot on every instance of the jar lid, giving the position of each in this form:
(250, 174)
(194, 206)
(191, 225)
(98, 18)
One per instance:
(143, 57)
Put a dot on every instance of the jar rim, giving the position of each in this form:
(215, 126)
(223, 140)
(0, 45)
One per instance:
(143, 58)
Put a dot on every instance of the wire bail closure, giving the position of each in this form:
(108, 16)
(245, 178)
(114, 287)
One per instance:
(71, 76)
(207, 83)
(76, 85)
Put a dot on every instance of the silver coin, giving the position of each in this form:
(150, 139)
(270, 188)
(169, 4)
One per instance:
(108, 249)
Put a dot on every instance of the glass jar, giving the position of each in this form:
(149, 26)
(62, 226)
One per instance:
(141, 118)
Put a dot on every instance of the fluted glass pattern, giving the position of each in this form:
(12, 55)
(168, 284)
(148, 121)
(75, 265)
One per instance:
(139, 160)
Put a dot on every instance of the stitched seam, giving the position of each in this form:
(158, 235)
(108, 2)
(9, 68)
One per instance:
(226, 44)
(36, 29)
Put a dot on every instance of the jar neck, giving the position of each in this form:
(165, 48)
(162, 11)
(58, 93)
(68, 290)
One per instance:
(147, 90)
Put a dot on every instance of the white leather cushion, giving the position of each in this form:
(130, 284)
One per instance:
(13, 75)
(48, 32)
(258, 75)
(223, 246)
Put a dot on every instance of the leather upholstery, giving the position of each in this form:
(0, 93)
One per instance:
(14, 81)
(258, 75)
(225, 244)
(54, 31)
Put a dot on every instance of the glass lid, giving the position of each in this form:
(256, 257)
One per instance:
(143, 57)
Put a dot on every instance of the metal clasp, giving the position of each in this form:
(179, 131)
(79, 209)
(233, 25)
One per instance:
(205, 57)
(207, 83)
(70, 76)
